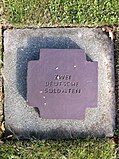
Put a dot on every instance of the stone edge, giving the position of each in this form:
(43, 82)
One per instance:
(1, 86)
(116, 51)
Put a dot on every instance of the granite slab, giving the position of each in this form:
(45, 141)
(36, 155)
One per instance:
(22, 46)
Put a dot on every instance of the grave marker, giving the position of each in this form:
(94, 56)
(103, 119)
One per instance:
(25, 49)
(62, 84)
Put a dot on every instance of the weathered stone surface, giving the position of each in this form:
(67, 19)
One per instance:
(23, 45)
(1, 96)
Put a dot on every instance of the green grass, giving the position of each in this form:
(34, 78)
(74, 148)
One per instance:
(73, 149)
(61, 12)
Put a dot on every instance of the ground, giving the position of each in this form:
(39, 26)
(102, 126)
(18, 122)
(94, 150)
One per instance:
(63, 13)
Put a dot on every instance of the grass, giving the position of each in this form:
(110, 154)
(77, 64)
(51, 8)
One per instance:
(61, 12)
(73, 149)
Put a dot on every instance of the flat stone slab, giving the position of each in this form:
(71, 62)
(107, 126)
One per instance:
(22, 46)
